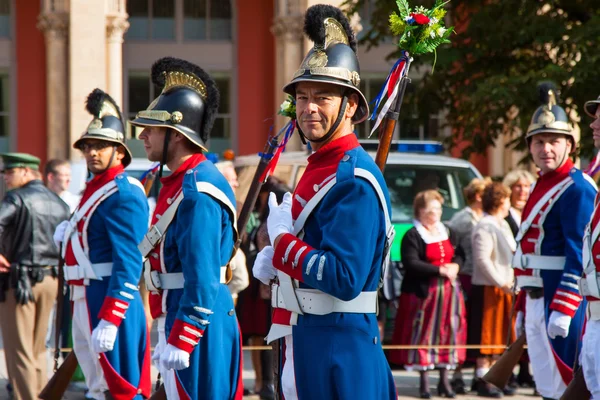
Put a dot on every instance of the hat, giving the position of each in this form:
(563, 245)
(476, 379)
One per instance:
(107, 124)
(19, 160)
(333, 57)
(549, 117)
(591, 107)
(188, 103)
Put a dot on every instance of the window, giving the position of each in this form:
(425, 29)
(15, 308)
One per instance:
(151, 19)
(179, 20)
(4, 18)
(206, 20)
(222, 126)
(4, 106)
(141, 92)
(366, 15)
(409, 126)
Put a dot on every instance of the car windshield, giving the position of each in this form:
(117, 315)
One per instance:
(405, 181)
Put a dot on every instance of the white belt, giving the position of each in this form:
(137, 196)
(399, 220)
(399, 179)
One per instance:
(76, 272)
(532, 261)
(593, 310)
(530, 281)
(175, 280)
(313, 301)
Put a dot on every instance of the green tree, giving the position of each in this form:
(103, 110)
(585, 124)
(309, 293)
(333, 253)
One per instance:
(487, 77)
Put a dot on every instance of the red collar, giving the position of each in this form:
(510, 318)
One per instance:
(171, 185)
(176, 178)
(100, 180)
(334, 150)
(558, 174)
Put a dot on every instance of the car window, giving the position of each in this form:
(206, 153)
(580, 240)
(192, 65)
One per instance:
(405, 181)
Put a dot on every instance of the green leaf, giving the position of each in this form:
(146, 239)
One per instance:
(403, 7)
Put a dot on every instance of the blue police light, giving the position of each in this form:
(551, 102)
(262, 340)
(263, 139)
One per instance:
(407, 146)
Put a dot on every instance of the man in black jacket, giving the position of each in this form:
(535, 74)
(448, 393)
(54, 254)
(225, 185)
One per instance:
(29, 214)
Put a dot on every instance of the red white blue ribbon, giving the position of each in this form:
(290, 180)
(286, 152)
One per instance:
(390, 90)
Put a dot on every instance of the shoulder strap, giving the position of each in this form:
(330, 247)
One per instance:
(158, 230)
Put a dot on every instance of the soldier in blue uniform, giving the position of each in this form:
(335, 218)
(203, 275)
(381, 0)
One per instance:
(330, 239)
(548, 259)
(103, 264)
(191, 240)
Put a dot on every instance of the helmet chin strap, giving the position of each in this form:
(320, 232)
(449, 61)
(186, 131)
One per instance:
(165, 152)
(333, 128)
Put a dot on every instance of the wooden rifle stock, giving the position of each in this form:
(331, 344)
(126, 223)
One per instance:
(500, 372)
(577, 389)
(57, 385)
(244, 216)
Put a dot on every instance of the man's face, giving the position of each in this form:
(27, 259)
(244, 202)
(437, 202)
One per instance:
(549, 150)
(61, 179)
(595, 125)
(154, 140)
(15, 177)
(317, 107)
(99, 155)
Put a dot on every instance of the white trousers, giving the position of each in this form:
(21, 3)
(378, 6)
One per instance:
(168, 376)
(82, 346)
(548, 380)
(590, 359)
(288, 377)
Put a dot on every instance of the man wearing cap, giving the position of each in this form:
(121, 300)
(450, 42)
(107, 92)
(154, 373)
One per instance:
(330, 239)
(103, 264)
(191, 240)
(548, 259)
(590, 283)
(29, 213)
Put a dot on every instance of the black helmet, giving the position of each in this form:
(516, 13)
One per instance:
(107, 124)
(333, 57)
(591, 107)
(188, 102)
(549, 117)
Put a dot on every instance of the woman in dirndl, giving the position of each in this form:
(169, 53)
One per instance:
(491, 321)
(431, 310)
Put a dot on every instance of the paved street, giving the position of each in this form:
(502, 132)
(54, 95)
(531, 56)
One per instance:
(406, 382)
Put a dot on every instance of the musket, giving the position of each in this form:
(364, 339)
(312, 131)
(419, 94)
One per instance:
(260, 177)
(577, 389)
(500, 372)
(57, 385)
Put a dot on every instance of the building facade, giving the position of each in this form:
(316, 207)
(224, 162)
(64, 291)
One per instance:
(54, 52)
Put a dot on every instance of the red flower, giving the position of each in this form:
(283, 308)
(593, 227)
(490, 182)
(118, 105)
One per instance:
(420, 19)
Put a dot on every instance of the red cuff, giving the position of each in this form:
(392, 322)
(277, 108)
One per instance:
(113, 310)
(566, 303)
(289, 255)
(184, 336)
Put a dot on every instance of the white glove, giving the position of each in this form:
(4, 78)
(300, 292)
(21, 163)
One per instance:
(520, 323)
(158, 350)
(104, 336)
(59, 233)
(263, 268)
(558, 324)
(280, 216)
(174, 358)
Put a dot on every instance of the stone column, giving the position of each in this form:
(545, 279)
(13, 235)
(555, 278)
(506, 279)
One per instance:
(287, 27)
(54, 22)
(116, 26)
